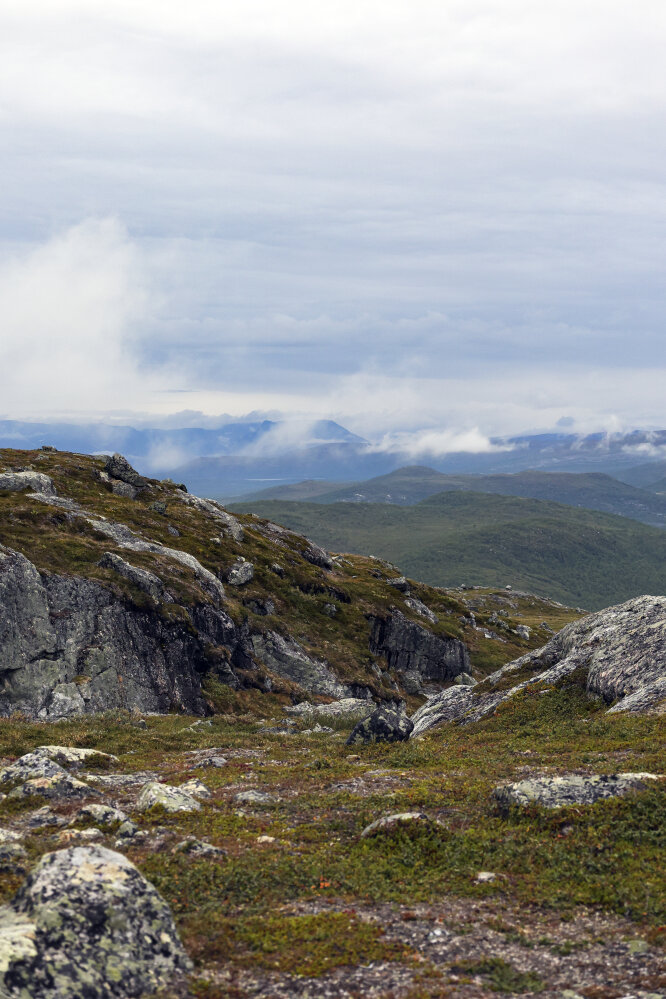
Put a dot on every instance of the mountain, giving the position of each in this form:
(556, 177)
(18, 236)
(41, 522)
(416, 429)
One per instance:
(117, 589)
(159, 449)
(578, 556)
(410, 485)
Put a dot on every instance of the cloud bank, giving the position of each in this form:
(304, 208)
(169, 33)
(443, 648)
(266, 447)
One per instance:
(423, 217)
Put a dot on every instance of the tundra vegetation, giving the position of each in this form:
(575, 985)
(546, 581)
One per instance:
(277, 892)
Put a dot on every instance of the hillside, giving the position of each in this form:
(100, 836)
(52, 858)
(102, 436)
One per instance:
(576, 556)
(411, 484)
(100, 566)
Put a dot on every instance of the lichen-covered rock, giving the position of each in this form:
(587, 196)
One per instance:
(119, 467)
(240, 573)
(194, 847)
(144, 580)
(572, 789)
(35, 481)
(229, 525)
(288, 659)
(347, 708)
(409, 647)
(74, 756)
(34, 764)
(449, 705)
(621, 652)
(103, 815)
(421, 609)
(389, 823)
(385, 724)
(171, 799)
(253, 797)
(59, 787)
(196, 788)
(87, 925)
(317, 556)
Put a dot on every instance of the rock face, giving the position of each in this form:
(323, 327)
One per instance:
(558, 792)
(408, 647)
(287, 658)
(37, 482)
(621, 651)
(383, 725)
(87, 925)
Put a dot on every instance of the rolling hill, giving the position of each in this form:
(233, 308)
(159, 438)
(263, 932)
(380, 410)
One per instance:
(409, 485)
(577, 556)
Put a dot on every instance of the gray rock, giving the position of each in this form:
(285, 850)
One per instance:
(69, 646)
(12, 856)
(240, 573)
(317, 556)
(523, 631)
(45, 818)
(252, 797)
(420, 608)
(74, 756)
(124, 489)
(465, 680)
(401, 584)
(128, 831)
(35, 481)
(103, 815)
(449, 705)
(144, 580)
(34, 764)
(59, 787)
(196, 788)
(213, 761)
(171, 799)
(228, 524)
(194, 847)
(87, 925)
(119, 468)
(409, 647)
(348, 708)
(262, 607)
(573, 789)
(289, 660)
(385, 724)
(389, 823)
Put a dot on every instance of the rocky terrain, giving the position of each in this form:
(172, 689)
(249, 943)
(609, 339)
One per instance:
(235, 765)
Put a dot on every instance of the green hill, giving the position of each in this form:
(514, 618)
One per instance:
(573, 555)
(412, 484)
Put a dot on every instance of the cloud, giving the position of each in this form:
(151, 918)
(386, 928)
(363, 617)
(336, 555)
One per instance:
(71, 309)
(436, 443)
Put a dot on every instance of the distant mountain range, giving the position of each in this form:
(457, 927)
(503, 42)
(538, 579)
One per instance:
(580, 557)
(240, 457)
(410, 485)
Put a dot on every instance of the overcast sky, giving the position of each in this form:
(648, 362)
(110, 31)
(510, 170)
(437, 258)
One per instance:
(401, 215)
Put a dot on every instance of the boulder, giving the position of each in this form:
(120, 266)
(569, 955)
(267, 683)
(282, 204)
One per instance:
(317, 556)
(146, 581)
(240, 573)
(37, 482)
(253, 797)
(385, 724)
(389, 823)
(31, 765)
(171, 799)
(346, 708)
(103, 815)
(119, 467)
(194, 847)
(86, 924)
(74, 756)
(572, 789)
(59, 787)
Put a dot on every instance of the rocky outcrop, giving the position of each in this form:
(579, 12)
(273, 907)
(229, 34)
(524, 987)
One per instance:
(37, 482)
(621, 651)
(288, 659)
(171, 799)
(87, 925)
(573, 789)
(409, 647)
(69, 646)
(385, 724)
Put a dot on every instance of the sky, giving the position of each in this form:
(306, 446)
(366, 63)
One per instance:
(443, 218)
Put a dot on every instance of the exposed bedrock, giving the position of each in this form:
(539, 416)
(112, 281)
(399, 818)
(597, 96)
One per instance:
(409, 647)
(620, 651)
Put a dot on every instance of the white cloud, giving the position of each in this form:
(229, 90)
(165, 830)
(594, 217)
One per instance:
(70, 311)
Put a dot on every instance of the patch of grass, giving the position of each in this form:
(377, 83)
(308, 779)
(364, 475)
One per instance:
(502, 977)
